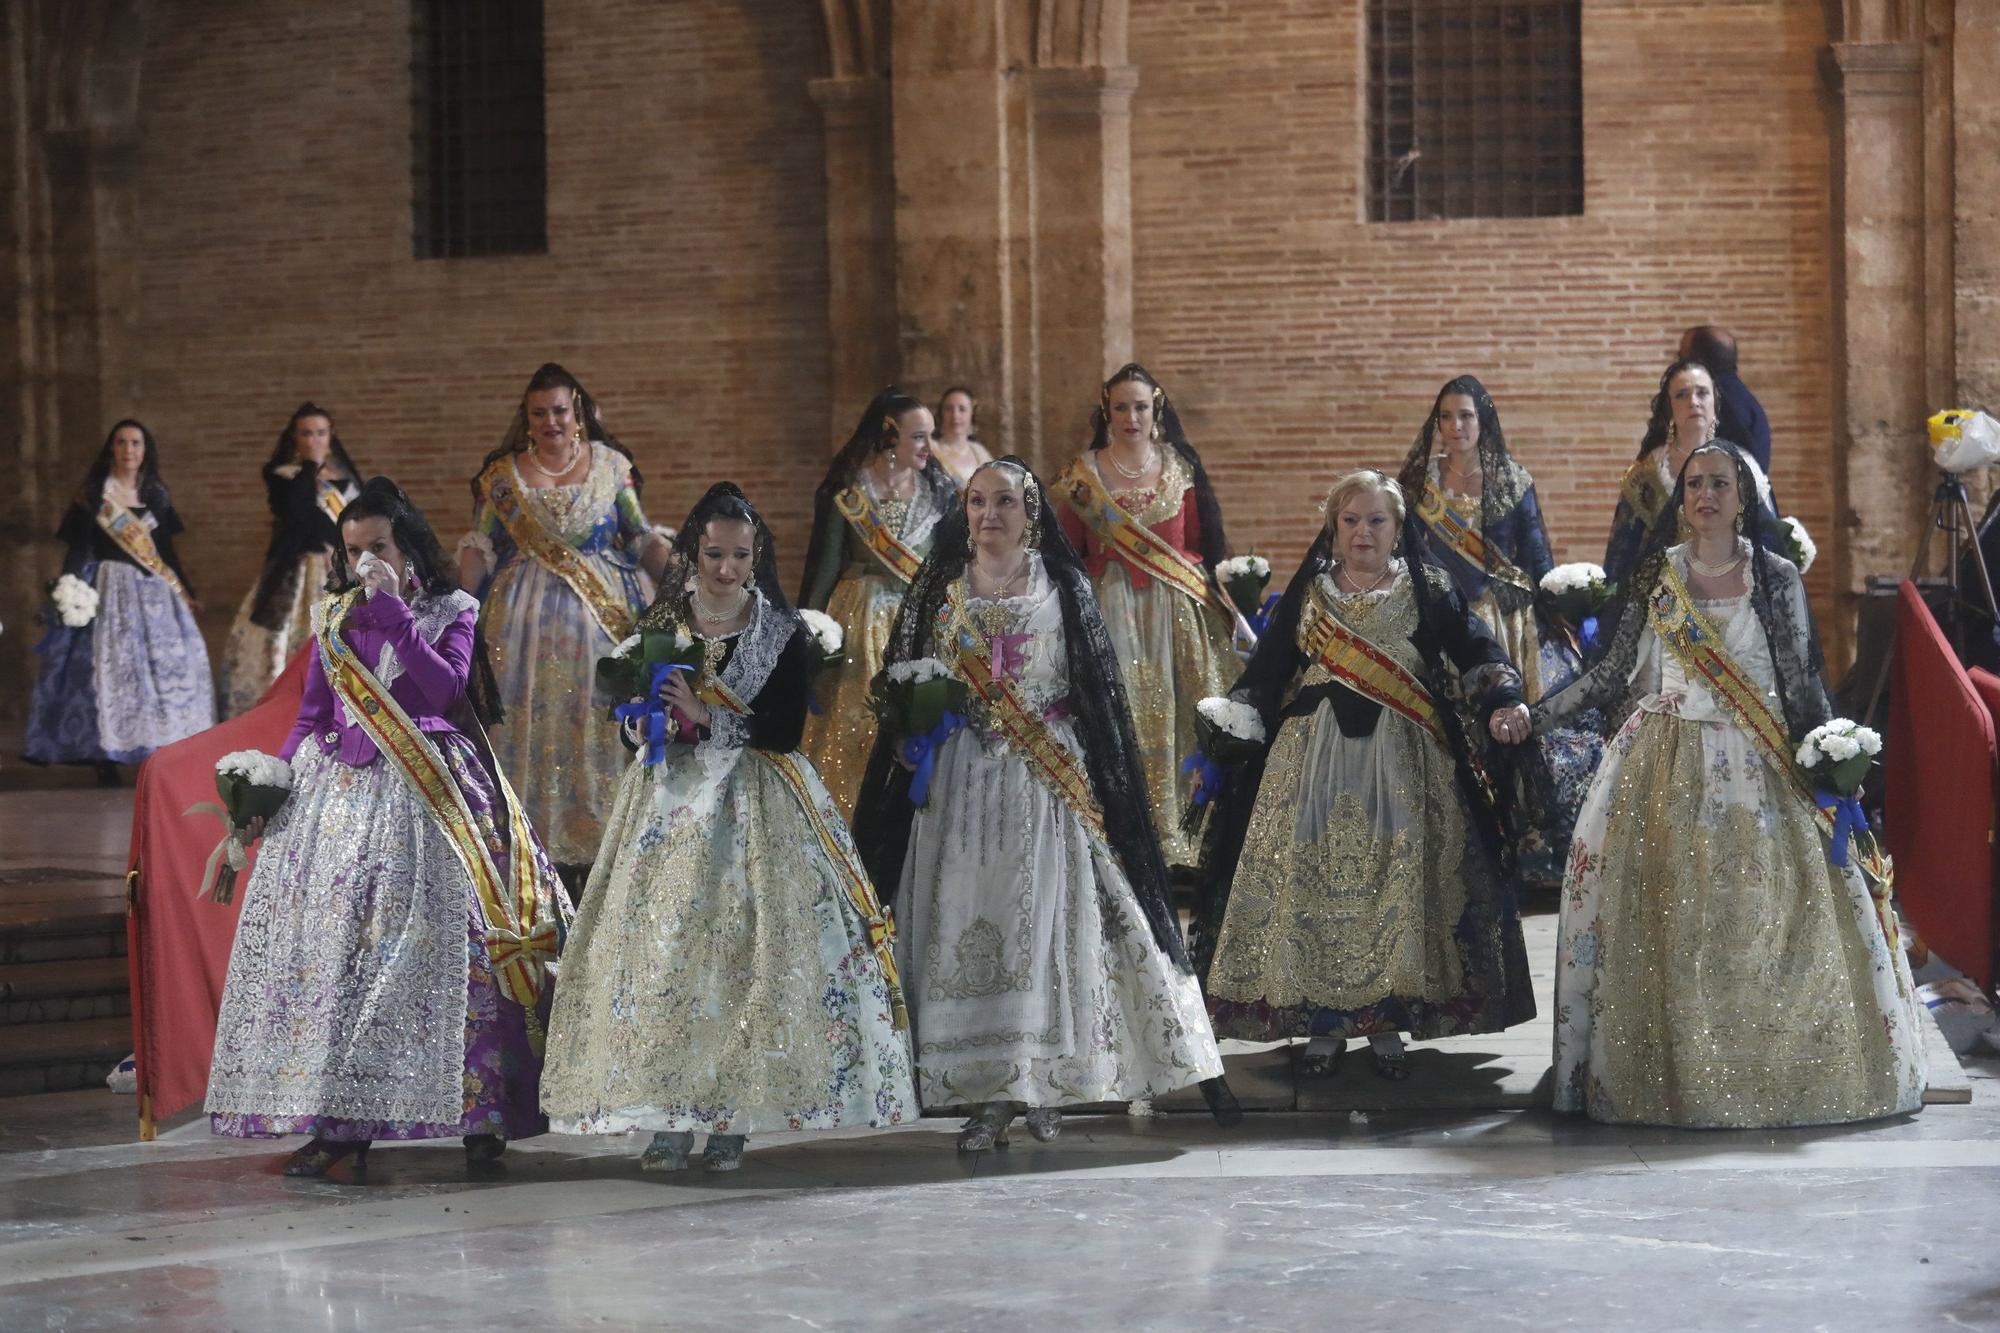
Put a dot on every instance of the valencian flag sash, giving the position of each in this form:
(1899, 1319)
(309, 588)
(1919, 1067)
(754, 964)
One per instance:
(520, 919)
(1696, 643)
(866, 520)
(502, 488)
(1058, 767)
(331, 502)
(853, 879)
(135, 539)
(1455, 528)
(1084, 491)
(1350, 658)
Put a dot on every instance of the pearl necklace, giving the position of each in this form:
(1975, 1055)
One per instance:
(1387, 570)
(1133, 474)
(708, 617)
(1718, 570)
(535, 460)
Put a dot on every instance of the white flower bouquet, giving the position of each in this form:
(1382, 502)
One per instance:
(75, 601)
(1576, 592)
(628, 672)
(1230, 731)
(913, 698)
(827, 636)
(1799, 547)
(253, 786)
(1836, 755)
(1244, 578)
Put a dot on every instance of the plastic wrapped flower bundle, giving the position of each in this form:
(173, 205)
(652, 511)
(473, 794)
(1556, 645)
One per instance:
(1799, 547)
(918, 695)
(827, 636)
(1836, 755)
(1231, 731)
(1244, 578)
(253, 785)
(75, 601)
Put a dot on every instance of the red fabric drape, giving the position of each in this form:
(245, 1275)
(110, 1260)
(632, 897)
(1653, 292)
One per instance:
(179, 947)
(1941, 774)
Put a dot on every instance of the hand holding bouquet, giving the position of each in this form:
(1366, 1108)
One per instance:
(827, 637)
(920, 702)
(1836, 756)
(633, 677)
(253, 787)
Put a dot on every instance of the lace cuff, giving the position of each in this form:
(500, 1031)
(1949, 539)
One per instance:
(727, 729)
(480, 542)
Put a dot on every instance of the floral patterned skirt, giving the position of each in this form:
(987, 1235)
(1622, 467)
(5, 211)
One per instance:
(255, 654)
(359, 1002)
(717, 977)
(1714, 968)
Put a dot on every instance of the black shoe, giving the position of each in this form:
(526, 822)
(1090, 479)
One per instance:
(1222, 1103)
(483, 1149)
(313, 1160)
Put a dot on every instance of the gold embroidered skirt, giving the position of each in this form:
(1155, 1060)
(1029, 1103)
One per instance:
(1362, 902)
(1714, 968)
(840, 736)
(1171, 655)
(254, 656)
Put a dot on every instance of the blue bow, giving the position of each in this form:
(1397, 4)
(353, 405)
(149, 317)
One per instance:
(652, 713)
(1208, 777)
(922, 750)
(1587, 632)
(1260, 620)
(1848, 819)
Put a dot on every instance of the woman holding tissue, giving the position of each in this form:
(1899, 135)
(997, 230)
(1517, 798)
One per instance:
(390, 976)
(730, 971)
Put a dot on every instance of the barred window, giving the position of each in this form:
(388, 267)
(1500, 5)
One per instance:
(1475, 109)
(478, 157)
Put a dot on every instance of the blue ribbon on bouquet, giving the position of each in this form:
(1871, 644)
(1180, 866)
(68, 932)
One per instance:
(651, 713)
(921, 752)
(1848, 819)
(1260, 620)
(1587, 634)
(1208, 777)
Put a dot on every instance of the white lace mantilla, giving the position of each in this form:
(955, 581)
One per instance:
(758, 647)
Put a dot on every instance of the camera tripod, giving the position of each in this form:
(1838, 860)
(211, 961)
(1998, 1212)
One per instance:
(1951, 513)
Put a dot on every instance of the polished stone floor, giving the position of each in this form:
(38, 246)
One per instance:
(1415, 1216)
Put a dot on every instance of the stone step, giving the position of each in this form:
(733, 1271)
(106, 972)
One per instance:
(65, 990)
(55, 1057)
(98, 936)
(60, 912)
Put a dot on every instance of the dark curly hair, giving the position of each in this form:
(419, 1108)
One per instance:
(411, 531)
(152, 490)
(550, 375)
(1661, 421)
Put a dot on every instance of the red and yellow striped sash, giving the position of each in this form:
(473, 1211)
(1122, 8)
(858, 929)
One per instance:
(502, 488)
(1350, 658)
(520, 917)
(1454, 528)
(1085, 493)
(136, 540)
(331, 502)
(866, 520)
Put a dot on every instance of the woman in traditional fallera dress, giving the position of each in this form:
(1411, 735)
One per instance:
(1040, 954)
(1715, 968)
(136, 676)
(1138, 506)
(730, 970)
(1355, 881)
(1683, 415)
(1482, 525)
(562, 558)
(389, 977)
(957, 448)
(307, 482)
(872, 522)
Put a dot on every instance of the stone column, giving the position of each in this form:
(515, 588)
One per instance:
(860, 245)
(1883, 481)
(1082, 226)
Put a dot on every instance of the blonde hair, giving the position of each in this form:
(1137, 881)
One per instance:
(1354, 483)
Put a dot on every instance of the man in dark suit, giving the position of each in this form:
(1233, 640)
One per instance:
(1739, 417)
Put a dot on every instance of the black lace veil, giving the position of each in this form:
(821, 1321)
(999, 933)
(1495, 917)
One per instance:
(883, 813)
(724, 500)
(1501, 480)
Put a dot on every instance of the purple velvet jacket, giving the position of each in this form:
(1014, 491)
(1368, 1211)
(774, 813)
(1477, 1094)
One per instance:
(432, 680)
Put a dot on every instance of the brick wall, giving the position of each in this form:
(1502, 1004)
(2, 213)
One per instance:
(685, 281)
(1300, 342)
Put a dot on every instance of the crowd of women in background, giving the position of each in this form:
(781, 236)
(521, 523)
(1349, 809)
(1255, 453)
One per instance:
(912, 842)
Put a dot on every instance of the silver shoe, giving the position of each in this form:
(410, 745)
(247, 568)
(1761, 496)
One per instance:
(668, 1151)
(987, 1129)
(724, 1152)
(1044, 1122)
